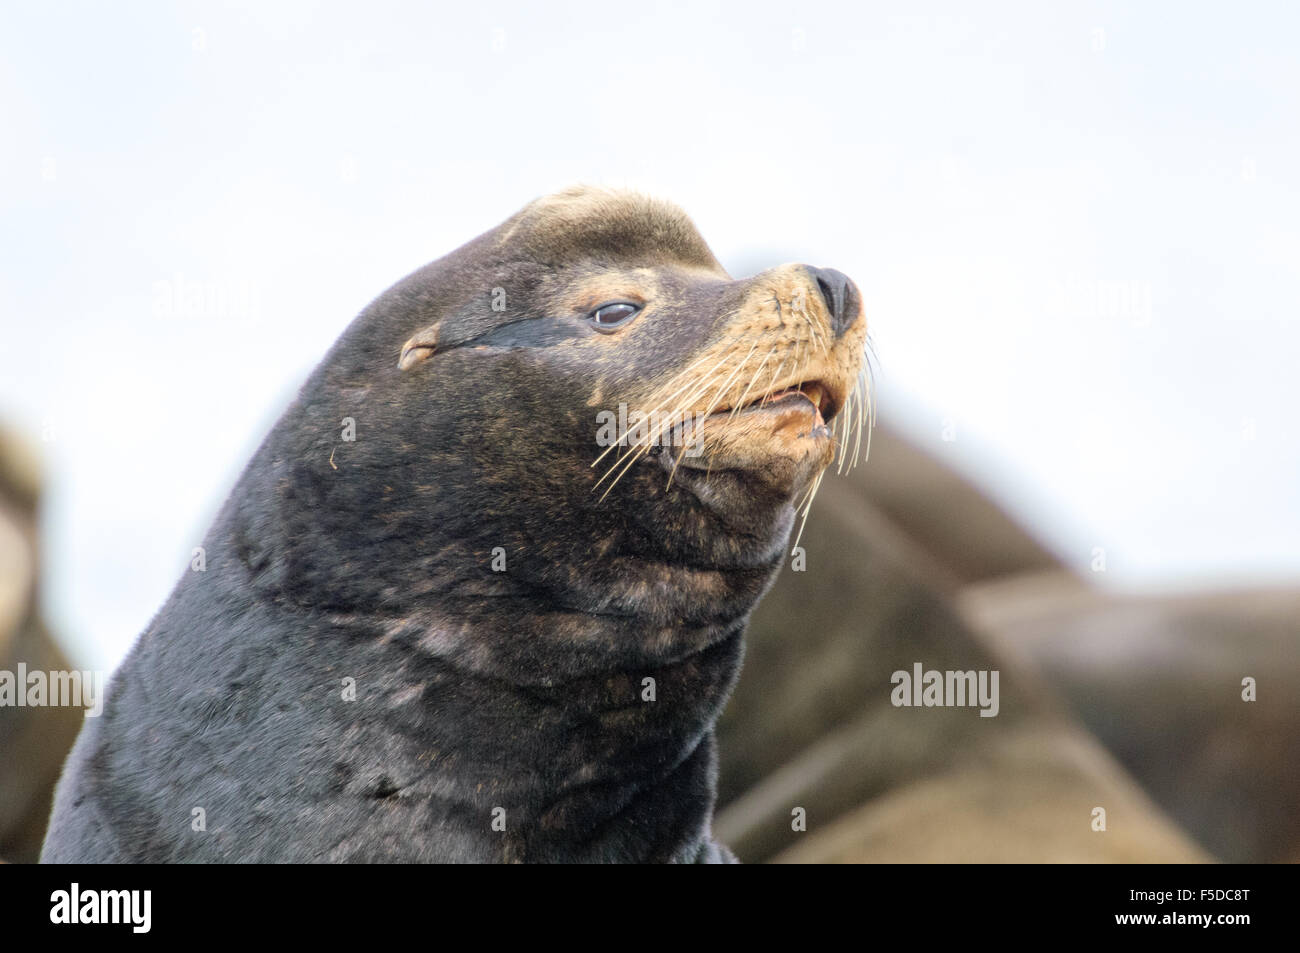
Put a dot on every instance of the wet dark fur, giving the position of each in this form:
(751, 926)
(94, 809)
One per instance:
(372, 560)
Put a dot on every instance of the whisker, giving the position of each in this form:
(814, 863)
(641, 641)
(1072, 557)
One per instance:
(847, 414)
(639, 450)
(752, 381)
(698, 388)
(716, 400)
(812, 495)
(662, 401)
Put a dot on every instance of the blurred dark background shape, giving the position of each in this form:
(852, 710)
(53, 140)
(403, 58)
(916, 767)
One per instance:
(33, 741)
(1158, 680)
(1128, 703)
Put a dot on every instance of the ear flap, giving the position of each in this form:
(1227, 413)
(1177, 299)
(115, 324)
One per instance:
(421, 345)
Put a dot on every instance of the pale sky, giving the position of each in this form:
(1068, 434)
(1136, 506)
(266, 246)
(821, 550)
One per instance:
(1074, 227)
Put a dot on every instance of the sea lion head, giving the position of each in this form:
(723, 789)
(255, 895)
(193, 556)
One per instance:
(582, 388)
(613, 305)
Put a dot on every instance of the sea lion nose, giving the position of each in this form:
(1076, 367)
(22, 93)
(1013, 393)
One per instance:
(841, 297)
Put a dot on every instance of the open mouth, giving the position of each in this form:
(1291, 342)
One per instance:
(814, 395)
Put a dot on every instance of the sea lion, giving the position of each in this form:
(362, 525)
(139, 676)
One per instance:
(814, 727)
(436, 620)
(1145, 705)
(1193, 692)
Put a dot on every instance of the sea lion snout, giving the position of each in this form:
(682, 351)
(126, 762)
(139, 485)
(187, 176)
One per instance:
(843, 302)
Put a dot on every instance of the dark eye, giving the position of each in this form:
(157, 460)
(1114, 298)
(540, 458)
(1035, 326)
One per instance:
(610, 316)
